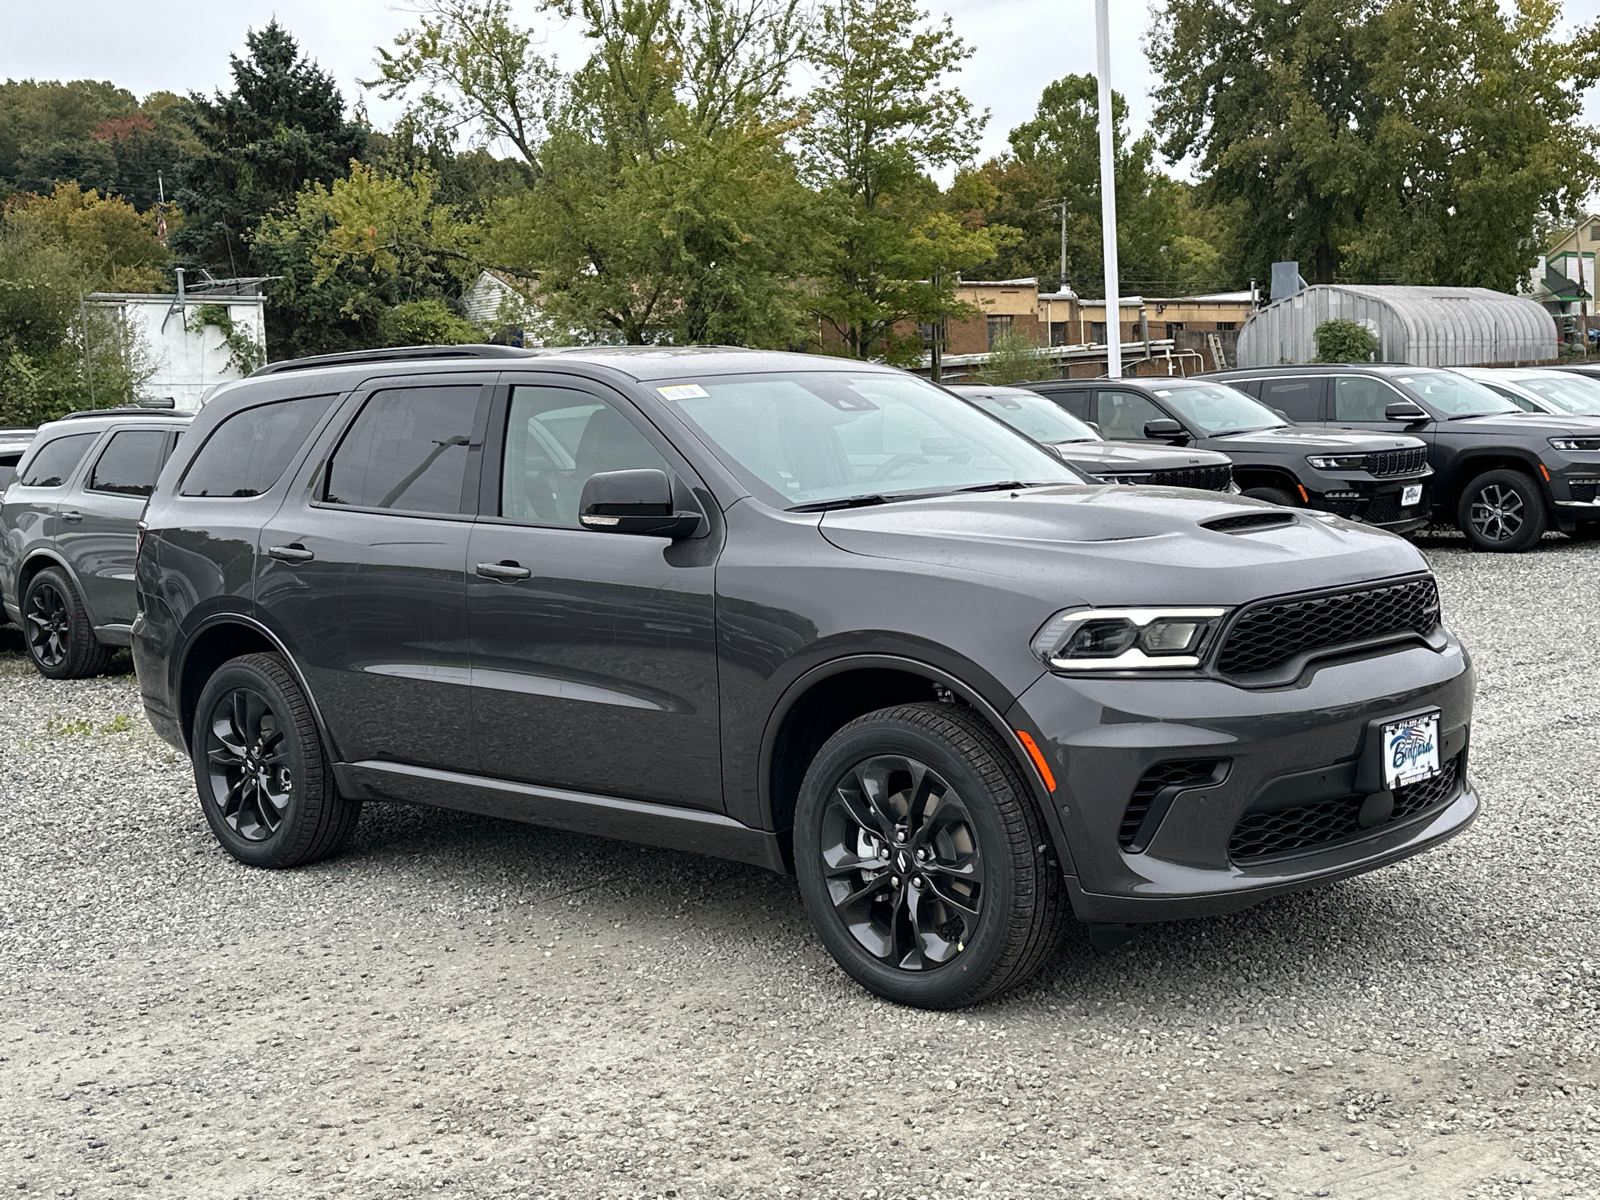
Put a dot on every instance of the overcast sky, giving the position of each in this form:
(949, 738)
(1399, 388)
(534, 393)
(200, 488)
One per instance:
(180, 45)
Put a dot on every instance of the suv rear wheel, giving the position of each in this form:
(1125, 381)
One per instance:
(1502, 510)
(264, 781)
(60, 638)
(922, 858)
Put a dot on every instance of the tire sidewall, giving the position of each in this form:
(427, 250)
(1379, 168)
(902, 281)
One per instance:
(1533, 525)
(1271, 495)
(275, 850)
(941, 986)
(56, 579)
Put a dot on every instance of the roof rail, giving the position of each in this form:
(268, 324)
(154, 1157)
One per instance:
(117, 409)
(350, 358)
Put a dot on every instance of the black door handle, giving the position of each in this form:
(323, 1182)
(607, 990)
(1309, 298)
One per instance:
(72, 515)
(291, 553)
(506, 572)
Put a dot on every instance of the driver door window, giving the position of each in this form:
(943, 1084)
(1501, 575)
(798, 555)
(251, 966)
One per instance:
(1122, 415)
(555, 439)
(1361, 400)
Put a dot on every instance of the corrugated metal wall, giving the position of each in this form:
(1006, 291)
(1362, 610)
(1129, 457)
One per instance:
(1434, 327)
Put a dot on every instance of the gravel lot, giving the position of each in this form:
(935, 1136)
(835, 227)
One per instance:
(461, 1007)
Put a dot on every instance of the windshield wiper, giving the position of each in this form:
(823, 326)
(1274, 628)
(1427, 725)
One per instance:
(1007, 486)
(842, 502)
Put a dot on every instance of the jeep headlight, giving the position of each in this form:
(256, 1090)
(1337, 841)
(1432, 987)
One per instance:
(1576, 443)
(1338, 462)
(1123, 639)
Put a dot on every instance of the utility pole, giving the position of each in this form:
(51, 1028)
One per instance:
(1108, 190)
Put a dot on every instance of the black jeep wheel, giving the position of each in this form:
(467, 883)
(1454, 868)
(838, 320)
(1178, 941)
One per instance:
(264, 781)
(923, 860)
(56, 626)
(1502, 510)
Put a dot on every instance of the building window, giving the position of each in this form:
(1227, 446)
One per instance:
(1594, 232)
(1173, 327)
(1058, 333)
(1097, 332)
(1226, 326)
(929, 331)
(998, 327)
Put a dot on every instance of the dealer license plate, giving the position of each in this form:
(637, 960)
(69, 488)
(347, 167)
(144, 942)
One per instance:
(1412, 495)
(1410, 750)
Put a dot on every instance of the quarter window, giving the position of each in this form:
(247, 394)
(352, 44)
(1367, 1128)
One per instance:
(406, 450)
(555, 439)
(56, 460)
(247, 453)
(1362, 400)
(1297, 399)
(130, 462)
(1122, 415)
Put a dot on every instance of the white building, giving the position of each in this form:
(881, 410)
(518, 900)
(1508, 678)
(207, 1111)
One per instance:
(500, 303)
(190, 342)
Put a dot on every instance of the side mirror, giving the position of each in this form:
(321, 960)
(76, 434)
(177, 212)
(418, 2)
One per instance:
(1404, 410)
(1165, 429)
(638, 502)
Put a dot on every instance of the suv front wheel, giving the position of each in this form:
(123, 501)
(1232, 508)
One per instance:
(264, 780)
(923, 860)
(1502, 510)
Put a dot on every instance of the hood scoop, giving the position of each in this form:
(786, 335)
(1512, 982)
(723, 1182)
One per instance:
(1249, 522)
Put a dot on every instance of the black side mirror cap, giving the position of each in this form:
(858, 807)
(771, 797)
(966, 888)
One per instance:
(1404, 410)
(636, 502)
(1165, 429)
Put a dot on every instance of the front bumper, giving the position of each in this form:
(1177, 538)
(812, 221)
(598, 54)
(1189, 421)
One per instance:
(1372, 499)
(1104, 735)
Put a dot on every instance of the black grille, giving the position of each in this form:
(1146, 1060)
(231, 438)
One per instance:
(1195, 772)
(1397, 462)
(1210, 479)
(1383, 509)
(1247, 522)
(1584, 492)
(1344, 506)
(1309, 826)
(1269, 635)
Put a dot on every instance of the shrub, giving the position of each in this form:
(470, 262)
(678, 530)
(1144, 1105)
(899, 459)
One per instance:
(1011, 360)
(1345, 342)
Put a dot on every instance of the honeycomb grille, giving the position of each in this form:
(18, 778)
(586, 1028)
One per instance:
(1397, 462)
(1383, 509)
(1584, 492)
(1269, 635)
(1210, 479)
(1310, 826)
(1185, 773)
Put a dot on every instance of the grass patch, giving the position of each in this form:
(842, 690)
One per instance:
(82, 726)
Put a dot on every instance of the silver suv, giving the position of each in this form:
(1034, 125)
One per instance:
(69, 531)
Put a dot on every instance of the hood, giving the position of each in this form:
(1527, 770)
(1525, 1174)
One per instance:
(1096, 457)
(1118, 545)
(1310, 439)
(1522, 424)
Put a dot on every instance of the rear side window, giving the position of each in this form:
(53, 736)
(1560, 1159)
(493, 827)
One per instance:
(57, 460)
(406, 450)
(130, 462)
(1297, 399)
(246, 454)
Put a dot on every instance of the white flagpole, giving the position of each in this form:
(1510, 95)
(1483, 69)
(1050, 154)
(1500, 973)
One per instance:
(1108, 191)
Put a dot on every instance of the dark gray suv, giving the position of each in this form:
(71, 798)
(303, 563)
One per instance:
(68, 532)
(812, 614)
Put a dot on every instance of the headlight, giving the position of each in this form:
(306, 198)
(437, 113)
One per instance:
(1338, 462)
(1576, 443)
(1122, 639)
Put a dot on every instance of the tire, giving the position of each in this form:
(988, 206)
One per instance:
(1273, 496)
(1503, 511)
(56, 628)
(985, 940)
(263, 778)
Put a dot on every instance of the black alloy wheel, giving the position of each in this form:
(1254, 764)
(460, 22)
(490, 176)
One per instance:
(923, 860)
(266, 787)
(56, 626)
(1502, 510)
(904, 866)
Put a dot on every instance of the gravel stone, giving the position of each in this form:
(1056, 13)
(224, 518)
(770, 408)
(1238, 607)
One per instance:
(464, 1007)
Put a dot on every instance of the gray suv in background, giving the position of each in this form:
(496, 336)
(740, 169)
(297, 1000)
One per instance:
(14, 444)
(69, 532)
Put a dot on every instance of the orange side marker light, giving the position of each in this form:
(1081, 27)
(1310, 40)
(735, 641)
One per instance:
(1305, 497)
(1545, 471)
(1037, 755)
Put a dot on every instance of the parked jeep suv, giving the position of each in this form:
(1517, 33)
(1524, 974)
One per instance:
(817, 615)
(1379, 480)
(1109, 462)
(1503, 476)
(68, 527)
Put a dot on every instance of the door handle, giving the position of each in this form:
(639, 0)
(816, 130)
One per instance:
(72, 515)
(505, 572)
(292, 553)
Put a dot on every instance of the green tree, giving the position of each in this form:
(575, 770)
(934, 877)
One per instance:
(1344, 342)
(882, 117)
(281, 127)
(1419, 139)
(1013, 358)
(112, 246)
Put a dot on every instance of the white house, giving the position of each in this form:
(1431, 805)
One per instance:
(499, 302)
(193, 343)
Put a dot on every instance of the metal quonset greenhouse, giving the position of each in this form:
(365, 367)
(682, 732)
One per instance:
(1425, 326)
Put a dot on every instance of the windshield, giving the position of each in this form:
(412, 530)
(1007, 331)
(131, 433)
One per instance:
(1575, 394)
(1214, 408)
(804, 438)
(1455, 395)
(1030, 413)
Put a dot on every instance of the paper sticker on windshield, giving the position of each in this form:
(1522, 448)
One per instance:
(683, 391)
